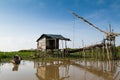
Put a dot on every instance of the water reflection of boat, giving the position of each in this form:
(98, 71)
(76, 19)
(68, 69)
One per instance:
(15, 67)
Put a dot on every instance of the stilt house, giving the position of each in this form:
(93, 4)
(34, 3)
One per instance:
(49, 41)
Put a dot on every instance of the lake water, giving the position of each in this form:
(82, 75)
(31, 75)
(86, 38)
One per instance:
(61, 70)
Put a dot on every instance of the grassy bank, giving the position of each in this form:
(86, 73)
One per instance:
(33, 54)
(9, 55)
(97, 54)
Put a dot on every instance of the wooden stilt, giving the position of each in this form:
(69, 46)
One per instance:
(108, 57)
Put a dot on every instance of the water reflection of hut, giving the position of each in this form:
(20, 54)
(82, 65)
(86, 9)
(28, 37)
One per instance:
(52, 70)
(50, 41)
(48, 72)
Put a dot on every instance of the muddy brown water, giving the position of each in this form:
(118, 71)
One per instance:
(61, 70)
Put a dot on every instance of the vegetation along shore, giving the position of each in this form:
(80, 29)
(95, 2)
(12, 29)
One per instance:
(33, 54)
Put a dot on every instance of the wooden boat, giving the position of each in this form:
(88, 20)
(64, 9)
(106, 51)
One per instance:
(16, 60)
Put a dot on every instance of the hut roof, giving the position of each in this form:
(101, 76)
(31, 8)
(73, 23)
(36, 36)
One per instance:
(53, 36)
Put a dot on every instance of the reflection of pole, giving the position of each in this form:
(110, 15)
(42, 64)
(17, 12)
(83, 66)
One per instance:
(85, 69)
(116, 75)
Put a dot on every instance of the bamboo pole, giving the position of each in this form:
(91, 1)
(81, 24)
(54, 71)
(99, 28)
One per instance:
(104, 54)
(62, 49)
(92, 53)
(65, 48)
(108, 57)
(83, 48)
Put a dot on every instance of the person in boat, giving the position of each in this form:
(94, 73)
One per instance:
(17, 59)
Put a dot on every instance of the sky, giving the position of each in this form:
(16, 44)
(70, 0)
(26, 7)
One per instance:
(22, 22)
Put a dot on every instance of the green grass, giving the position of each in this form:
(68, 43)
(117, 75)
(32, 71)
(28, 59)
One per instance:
(30, 54)
(9, 55)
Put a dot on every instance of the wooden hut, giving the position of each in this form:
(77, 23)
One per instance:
(49, 41)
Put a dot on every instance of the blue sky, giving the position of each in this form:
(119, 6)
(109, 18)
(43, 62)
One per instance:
(23, 21)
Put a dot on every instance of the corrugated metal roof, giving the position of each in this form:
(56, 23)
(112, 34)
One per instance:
(53, 36)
